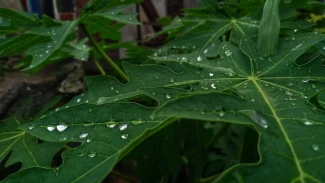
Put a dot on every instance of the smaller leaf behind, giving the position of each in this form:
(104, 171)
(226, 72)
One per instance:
(269, 29)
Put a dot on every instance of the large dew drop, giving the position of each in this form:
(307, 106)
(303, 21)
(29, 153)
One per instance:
(256, 117)
(61, 127)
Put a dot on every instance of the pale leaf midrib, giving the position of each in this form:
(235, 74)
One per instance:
(287, 139)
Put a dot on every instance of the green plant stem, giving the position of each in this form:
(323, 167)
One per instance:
(103, 54)
(99, 67)
(221, 131)
(209, 179)
(125, 177)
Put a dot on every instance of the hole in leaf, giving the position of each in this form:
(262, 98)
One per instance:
(57, 159)
(145, 101)
(6, 171)
(40, 141)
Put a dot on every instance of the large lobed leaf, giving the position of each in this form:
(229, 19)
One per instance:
(226, 83)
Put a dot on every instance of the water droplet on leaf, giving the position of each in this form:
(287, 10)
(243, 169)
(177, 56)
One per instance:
(50, 128)
(83, 135)
(91, 154)
(31, 126)
(168, 96)
(124, 136)
(256, 117)
(123, 127)
(61, 127)
(184, 59)
(315, 147)
(228, 53)
(199, 58)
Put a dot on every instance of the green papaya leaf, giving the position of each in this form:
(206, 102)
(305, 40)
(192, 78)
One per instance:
(272, 93)
(117, 15)
(105, 139)
(58, 35)
(18, 18)
(80, 50)
(25, 147)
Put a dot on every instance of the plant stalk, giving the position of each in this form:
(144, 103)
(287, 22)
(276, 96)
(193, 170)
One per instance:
(99, 67)
(103, 54)
(209, 179)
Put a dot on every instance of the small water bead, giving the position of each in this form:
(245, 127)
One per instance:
(49, 46)
(116, 91)
(213, 86)
(83, 135)
(89, 140)
(315, 147)
(131, 18)
(290, 84)
(123, 127)
(184, 59)
(136, 122)
(314, 86)
(61, 127)
(228, 53)
(211, 74)
(305, 80)
(289, 93)
(62, 138)
(308, 123)
(41, 55)
(50, 128)
(81, 154)
(293, 104)
(199, 58)
(155, 54)
(78, 100)
(221, 113)
(112, 88)
(31, 126)
(47, 51)
(87, 101)
(205, 51)
(91, 154)
(253, 100)
(295, 30)
(230, 74)
(57, 109)
(172, 80)
(124, 136)
(168, 96)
